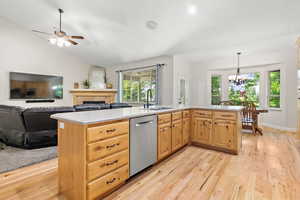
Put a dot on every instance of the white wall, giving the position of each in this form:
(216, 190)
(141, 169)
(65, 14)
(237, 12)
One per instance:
(167, 75)
(22, 51)
(181, 70)
(285, 118)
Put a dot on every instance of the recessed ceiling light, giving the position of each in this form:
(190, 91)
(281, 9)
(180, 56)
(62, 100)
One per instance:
(151, 24)
(192, 9)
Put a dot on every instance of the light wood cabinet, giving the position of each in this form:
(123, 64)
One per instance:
(164, 141)
(176, 135)
(173, 132)
(202, 130)
(186, 114)
(104, 148)
(164, 118)
(93, 159)
(101, 167)
(223, 134)
(217, 130)
(104, 184)
(107, 131)
(186, 129)
(202, 113)
(176, 116)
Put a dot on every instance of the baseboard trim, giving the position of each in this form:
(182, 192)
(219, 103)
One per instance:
(279, 128)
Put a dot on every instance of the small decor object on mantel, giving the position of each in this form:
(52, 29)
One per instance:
(109, 86)
(76, 85)
(86, 84)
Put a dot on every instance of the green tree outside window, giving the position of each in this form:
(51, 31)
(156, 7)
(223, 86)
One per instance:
(274, 89)
(216, 90)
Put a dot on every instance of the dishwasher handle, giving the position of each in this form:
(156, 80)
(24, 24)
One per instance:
(144, 123)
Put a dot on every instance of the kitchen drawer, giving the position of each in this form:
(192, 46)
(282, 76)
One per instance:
(100, 167)
(107, 131)
(107, 147)
(225, 115)
(176, 116)
(202, 113)
(186, 114)
(164, 118)
(102, 185)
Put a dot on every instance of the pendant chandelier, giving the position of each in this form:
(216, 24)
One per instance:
(238, 81)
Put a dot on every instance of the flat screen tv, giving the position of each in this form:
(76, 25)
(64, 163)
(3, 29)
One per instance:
(35, 86)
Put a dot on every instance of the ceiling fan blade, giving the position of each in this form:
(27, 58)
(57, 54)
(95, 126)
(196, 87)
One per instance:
(77, 37)
(42, 32)
(72, 42)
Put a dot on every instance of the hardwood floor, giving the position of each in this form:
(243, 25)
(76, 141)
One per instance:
(267, 168)
(35, 182)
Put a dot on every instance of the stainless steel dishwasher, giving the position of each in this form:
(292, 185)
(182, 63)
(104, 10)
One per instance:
(143, 143)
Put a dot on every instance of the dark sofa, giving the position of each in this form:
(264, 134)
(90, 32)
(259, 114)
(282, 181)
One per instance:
(33, 128)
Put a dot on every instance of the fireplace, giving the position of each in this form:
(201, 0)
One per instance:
(94, 102)
(81, 96)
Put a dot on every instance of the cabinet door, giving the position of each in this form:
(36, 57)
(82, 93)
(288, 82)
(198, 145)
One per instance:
(186, 129)
(176, 135)
(164, 141)
(223, 133)
(201, 130)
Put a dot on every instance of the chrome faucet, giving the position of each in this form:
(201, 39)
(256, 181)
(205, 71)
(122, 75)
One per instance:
(149, 96)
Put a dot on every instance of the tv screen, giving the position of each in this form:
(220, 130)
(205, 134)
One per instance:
(35, 86)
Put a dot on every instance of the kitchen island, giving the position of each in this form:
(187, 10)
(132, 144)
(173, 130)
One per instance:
(94, 145)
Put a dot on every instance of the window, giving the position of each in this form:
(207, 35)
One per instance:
(216, 90)
(248, 91)
(133, 85)
(274, 89)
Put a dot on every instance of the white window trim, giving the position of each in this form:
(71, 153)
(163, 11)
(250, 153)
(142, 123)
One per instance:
(263, 93)
(157, 87)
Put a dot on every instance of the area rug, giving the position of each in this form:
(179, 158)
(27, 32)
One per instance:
(13, 158)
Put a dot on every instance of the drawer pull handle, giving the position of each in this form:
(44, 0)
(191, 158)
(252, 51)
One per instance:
(111, 130)
(226, 115)
(113, 145)
(111, 181)
(111, 163)
(98, 148)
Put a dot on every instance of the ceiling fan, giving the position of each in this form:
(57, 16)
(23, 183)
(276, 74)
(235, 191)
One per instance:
(61, 38)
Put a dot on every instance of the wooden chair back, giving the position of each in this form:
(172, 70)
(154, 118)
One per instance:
(249, 115)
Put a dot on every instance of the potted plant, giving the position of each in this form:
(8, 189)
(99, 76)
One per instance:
(86, 84)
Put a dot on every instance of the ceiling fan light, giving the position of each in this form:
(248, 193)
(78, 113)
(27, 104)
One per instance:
(52, 41)
(67, 43)
(60, 44)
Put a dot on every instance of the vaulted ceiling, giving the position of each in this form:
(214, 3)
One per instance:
(116, 30)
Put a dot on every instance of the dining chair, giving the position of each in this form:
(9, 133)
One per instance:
(249, 117)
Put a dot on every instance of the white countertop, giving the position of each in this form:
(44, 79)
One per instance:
(91, 117)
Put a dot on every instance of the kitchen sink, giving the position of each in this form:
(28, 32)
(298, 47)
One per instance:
(159, 108)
